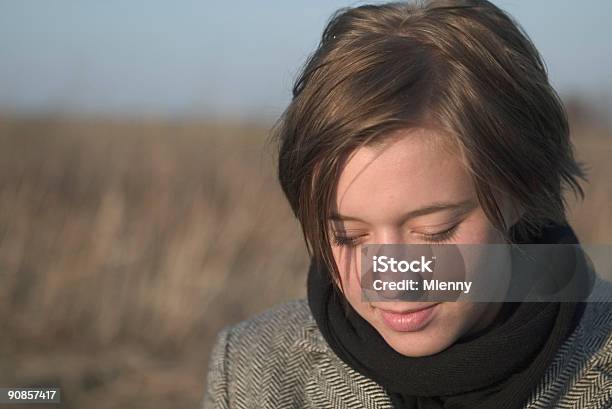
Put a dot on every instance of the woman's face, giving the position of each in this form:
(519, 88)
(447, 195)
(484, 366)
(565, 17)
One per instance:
(414, 189)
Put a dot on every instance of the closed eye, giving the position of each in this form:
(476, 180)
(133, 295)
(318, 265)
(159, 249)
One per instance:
(348, 241)
(440, 237)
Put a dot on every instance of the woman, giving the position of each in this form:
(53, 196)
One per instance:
(420, 123)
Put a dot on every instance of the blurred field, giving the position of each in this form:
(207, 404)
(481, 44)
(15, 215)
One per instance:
(125, 246)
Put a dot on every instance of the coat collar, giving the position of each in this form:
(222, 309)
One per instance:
(311, 339)
(332, 380)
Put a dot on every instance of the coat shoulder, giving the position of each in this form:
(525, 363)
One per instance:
(290, 315)
(581, 373)
(277, 328)
(263, 361)
(269, 333)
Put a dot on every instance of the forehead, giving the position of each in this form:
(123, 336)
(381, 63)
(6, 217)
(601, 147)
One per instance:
(412, 169)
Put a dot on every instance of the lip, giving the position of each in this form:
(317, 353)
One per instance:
(407, 320)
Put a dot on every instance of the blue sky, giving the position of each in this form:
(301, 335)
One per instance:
(204, 58)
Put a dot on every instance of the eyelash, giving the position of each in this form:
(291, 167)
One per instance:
(346, 241)
(440, 237)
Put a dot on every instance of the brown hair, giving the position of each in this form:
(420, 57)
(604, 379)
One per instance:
(463, 67)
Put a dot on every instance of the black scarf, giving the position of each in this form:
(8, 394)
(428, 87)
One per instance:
(498, 367)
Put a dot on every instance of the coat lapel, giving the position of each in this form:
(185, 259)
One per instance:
(332, 383)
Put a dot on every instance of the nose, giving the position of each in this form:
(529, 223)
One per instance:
(395, 244)
(389, 235)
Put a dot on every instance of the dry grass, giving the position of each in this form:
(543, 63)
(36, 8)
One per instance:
(124, 247)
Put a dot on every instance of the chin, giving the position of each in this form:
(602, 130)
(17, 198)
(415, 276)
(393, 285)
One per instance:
(418, 344)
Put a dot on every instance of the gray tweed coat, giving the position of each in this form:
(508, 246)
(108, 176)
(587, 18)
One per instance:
(279, 359)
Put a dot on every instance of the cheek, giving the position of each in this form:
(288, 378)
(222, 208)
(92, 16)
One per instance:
(347, 260)
(462, 315)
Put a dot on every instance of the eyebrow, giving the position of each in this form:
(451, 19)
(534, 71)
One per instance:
(431, 208)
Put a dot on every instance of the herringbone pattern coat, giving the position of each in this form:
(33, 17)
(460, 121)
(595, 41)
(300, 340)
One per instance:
(279, 359)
